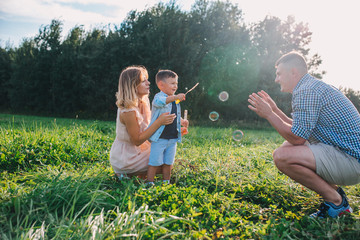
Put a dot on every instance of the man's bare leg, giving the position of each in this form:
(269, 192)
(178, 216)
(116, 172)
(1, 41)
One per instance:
(298, 162)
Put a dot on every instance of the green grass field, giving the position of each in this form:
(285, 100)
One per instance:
(56, 183)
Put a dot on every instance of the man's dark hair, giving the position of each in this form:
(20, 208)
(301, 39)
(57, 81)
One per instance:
(293, 59)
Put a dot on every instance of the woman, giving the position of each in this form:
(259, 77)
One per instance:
(129, 154)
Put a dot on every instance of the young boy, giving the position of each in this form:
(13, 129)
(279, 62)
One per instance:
(164, 140)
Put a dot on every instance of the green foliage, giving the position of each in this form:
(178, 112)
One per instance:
(273, 38)
(75, 205)
(220, 189)
(5, 74)
(353, 96)
(233, 69)
(78, 74)
(24, 145)
(22, 84)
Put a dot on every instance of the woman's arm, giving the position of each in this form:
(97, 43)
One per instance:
(133, 128)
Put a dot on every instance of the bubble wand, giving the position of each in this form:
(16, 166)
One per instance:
(177, 101)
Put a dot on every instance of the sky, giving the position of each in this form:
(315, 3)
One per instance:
(334, 24)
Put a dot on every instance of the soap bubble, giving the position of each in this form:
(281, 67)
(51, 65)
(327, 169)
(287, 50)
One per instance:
(214, 116)
(223, 96)
(237, 135)
(186, 88)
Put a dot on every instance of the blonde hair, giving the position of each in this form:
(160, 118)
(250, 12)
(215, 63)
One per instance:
(129, 79)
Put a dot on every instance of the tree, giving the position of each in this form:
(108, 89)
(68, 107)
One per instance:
(5, 75)
(22, 83)
(353, 96)
(273, 38)
(209, 44)
(66, 74)
(159, 38)
(48, 44)
(234, 69)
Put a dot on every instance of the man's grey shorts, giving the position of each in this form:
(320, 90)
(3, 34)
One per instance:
(335, 166)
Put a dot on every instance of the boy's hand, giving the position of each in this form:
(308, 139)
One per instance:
(180, 97)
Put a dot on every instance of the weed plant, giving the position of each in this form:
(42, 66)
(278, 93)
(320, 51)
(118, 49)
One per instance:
(56, 183)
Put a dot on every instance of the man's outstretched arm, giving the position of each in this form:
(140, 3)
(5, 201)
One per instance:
(262, 108)
(274, 107)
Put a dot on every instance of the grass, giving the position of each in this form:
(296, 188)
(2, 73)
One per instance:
(56, 183)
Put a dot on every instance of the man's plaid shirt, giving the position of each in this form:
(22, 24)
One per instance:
(322, 113)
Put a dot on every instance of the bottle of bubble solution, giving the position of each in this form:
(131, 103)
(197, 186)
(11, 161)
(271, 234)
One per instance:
(184, 130)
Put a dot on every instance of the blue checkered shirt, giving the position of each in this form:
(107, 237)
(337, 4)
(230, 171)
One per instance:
(321, 113)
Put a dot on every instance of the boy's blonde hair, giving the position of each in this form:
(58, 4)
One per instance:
(130, 78)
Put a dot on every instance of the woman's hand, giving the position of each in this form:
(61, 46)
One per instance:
(184, 122)
(166, 118)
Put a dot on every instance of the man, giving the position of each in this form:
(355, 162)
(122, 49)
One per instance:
(322, 147)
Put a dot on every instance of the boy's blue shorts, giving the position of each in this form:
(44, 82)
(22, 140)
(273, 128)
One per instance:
(163, 152)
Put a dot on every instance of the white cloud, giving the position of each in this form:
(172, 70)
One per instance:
(40, 11)
(70, 12)
(44, 10)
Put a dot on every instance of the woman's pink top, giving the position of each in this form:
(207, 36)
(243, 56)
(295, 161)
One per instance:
(125, 157)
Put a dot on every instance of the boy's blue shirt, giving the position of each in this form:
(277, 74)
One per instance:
(159, 107)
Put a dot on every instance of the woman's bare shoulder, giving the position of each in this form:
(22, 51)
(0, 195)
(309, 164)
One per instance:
(127, 115)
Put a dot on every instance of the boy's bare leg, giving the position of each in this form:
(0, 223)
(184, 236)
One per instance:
(159, 169)
(151, 173)
(166, 171)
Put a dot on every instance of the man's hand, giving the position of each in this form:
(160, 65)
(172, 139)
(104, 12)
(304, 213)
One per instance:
(268, 99)
(260, 106)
